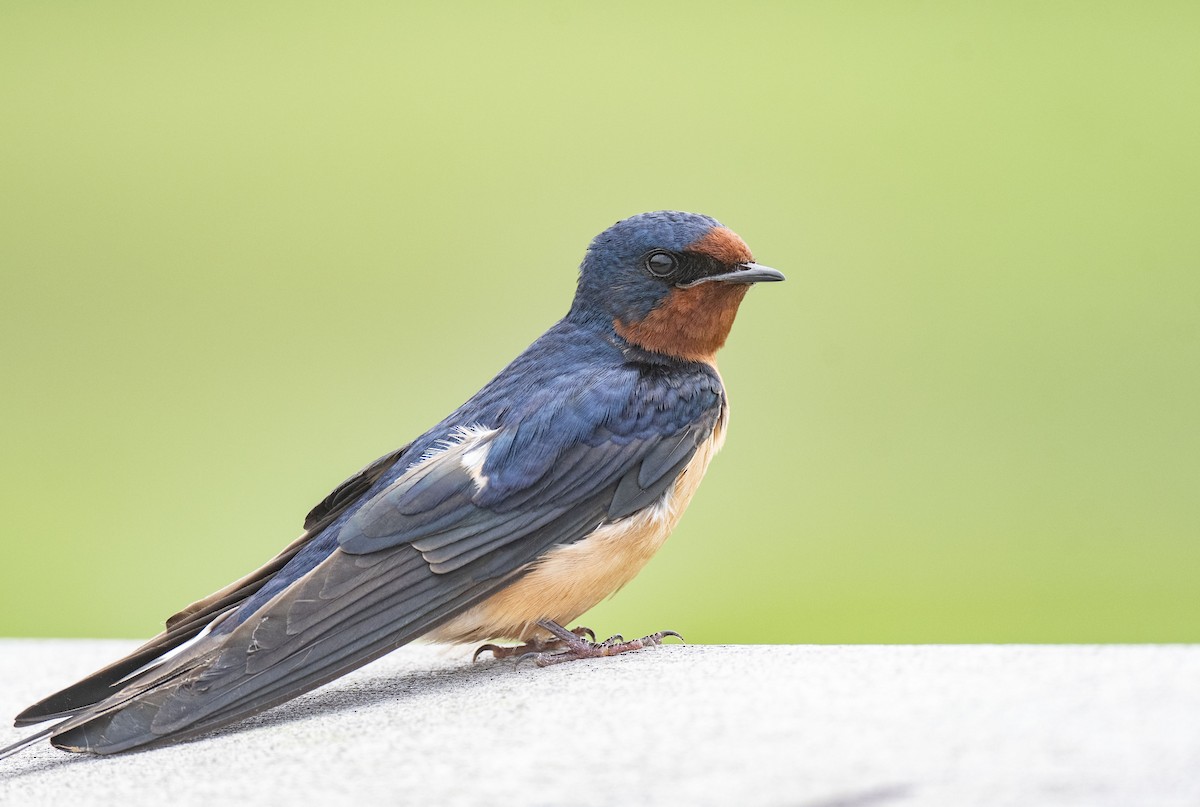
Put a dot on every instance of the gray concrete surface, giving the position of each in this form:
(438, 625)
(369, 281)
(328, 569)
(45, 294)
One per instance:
(800, 726)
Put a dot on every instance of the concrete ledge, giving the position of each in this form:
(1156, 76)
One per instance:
(805, 726)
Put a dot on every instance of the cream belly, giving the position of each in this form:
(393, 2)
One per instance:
(571, 578)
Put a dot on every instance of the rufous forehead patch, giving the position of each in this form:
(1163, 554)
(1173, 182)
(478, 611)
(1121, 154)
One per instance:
(723, 244)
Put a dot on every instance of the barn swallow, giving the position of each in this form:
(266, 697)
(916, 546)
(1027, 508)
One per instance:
(540, 496)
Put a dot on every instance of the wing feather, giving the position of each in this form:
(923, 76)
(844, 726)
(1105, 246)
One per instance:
(186, 624)
(418, 544)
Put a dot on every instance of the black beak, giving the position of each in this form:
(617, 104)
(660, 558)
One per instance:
(744, 273)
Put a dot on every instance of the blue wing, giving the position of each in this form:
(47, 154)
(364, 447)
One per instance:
(524, 467)
(608, 447)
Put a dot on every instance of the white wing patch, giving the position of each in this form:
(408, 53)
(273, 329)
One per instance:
(468, 445)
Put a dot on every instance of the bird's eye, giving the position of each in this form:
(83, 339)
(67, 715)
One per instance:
(661, 264)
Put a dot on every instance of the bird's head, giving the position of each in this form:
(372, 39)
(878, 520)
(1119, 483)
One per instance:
(668, 282)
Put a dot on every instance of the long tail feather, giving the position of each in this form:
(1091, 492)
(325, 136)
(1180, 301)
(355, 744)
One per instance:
(21, 745)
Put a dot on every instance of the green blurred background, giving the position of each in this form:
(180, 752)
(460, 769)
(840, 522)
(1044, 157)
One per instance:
(247, 248)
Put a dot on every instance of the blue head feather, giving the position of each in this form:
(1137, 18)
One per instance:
(613, 284)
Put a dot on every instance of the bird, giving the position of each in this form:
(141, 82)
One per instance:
(543, 494)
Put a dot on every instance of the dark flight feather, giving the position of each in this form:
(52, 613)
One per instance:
(181, 628)
(349, 491)
(190, 621)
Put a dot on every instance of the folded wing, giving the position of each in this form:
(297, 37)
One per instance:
(464, 520)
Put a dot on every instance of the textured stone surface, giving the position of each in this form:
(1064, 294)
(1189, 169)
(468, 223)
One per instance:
(800, 726)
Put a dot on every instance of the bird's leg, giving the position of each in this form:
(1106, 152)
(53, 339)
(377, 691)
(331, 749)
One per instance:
(535, 645)
(574, 646)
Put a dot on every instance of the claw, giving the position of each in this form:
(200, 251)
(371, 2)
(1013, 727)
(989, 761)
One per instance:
(532, 655)
(484, 648)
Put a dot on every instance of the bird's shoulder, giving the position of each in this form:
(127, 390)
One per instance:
(574, 385)
(585, 371)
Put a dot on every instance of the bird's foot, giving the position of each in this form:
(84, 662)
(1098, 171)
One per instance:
(570, 645)
(534, 646)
